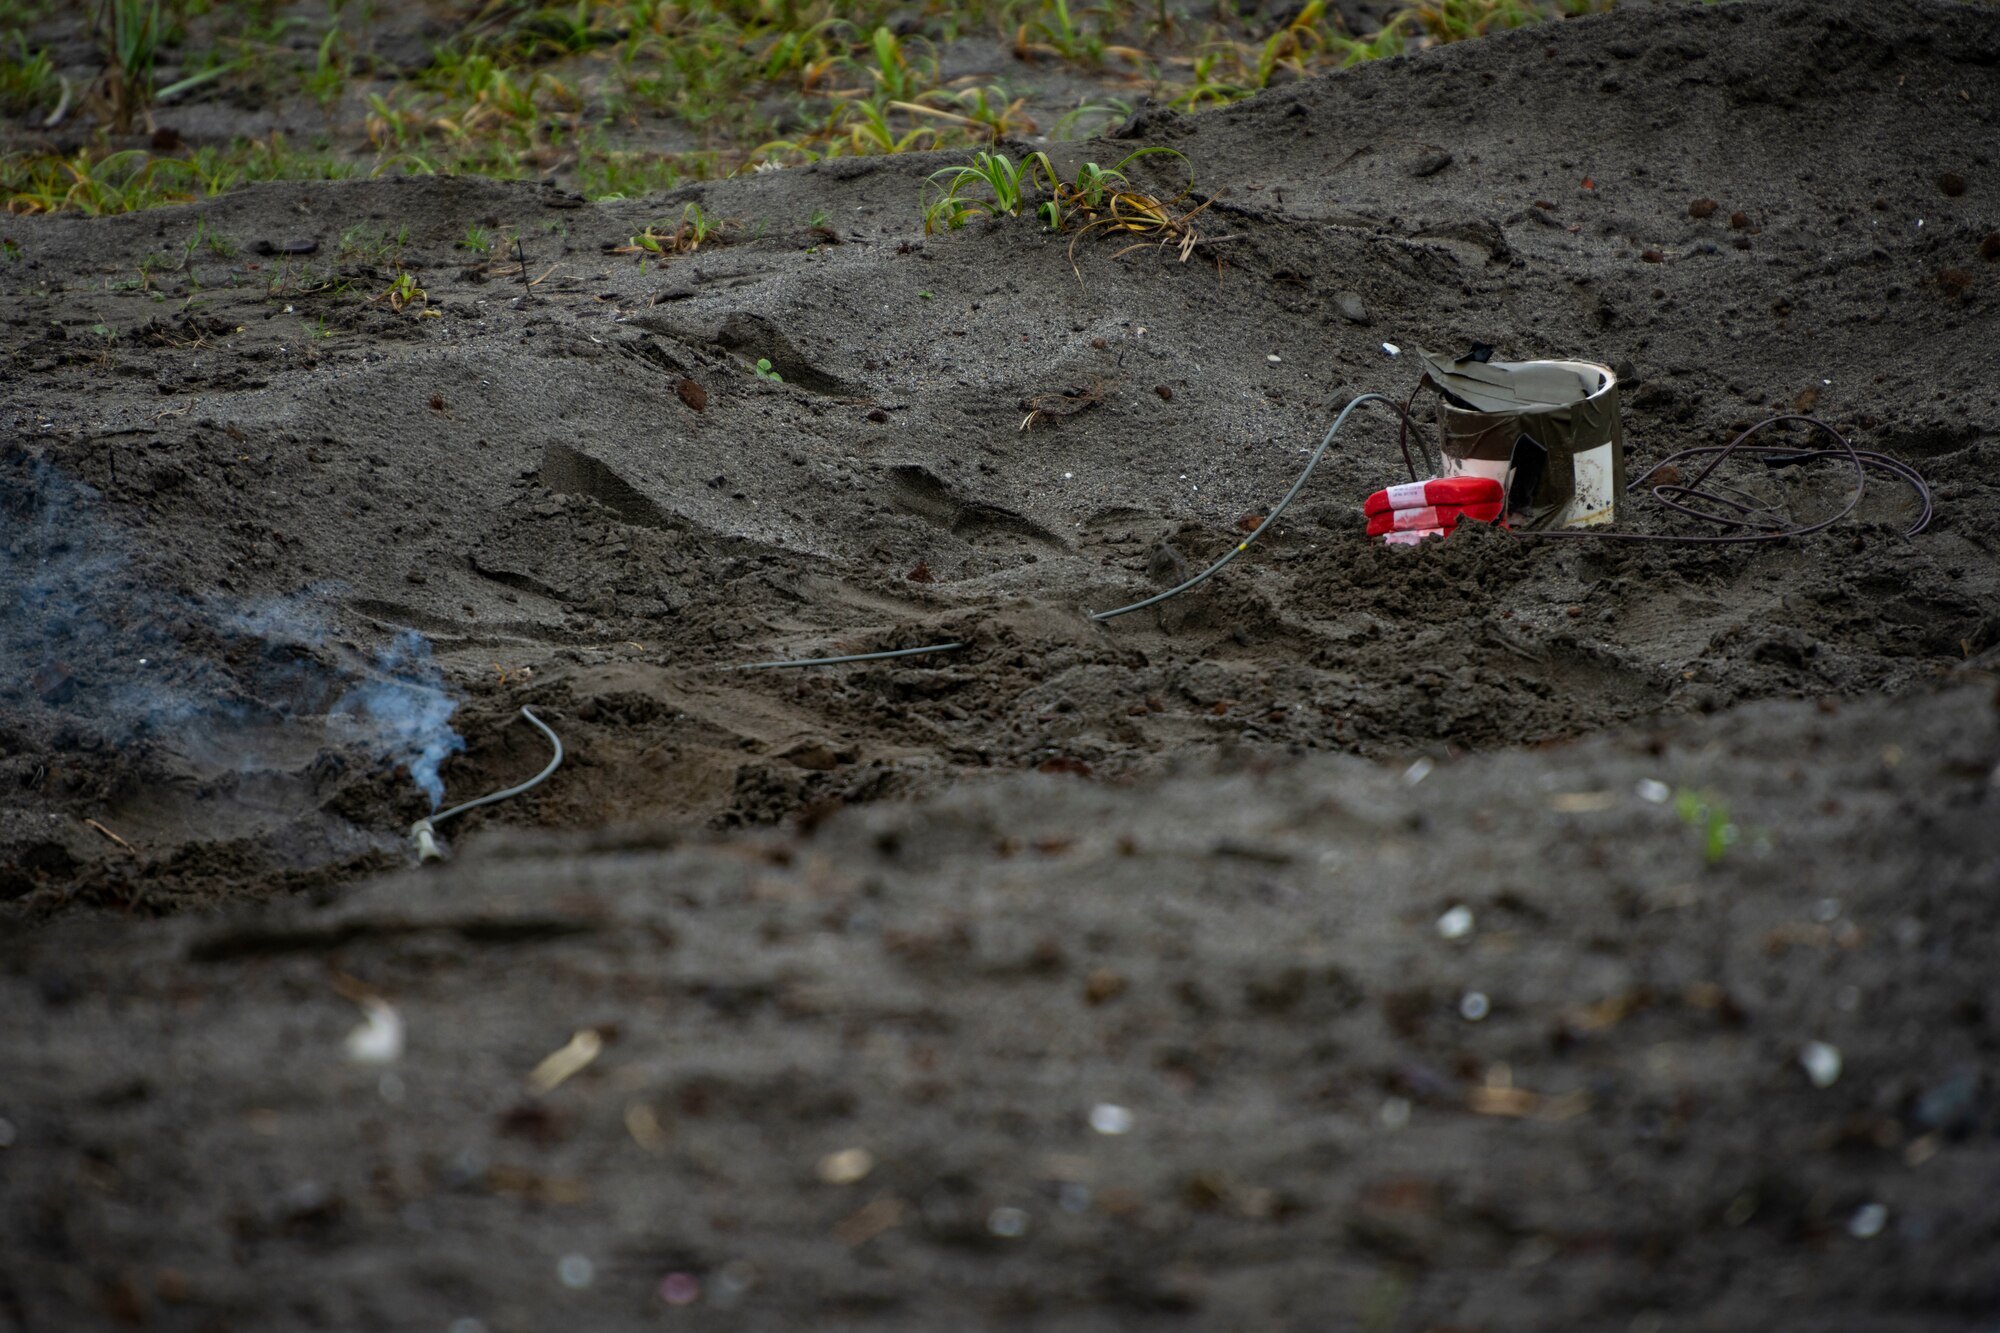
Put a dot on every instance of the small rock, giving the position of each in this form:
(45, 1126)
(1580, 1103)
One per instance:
(680, 1289)
(1103, 985)
(1952, 1105)
(1821, 1062)
(1455, 924)
(921, 574)
(1250, 522)
(1007, 1223)
(693, 395)
(1165, 391)
(878, 416)
(846, 1167)
(1109, 1118)
(379, 1040)
(1351, 307)
(1653, 256)
(1702, 208)
(1739, 221)
(1430, 164)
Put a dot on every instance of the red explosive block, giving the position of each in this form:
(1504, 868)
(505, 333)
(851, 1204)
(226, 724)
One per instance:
(1438, 491)
(1442, 517)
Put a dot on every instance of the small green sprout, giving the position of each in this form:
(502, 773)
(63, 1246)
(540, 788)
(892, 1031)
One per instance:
(403, 292)
(1704, 812)
(762, 370)
(1008, 183)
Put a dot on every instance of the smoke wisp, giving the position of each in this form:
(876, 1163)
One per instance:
(404, 713)
(107, 656)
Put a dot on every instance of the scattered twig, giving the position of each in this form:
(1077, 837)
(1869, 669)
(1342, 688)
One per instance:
(113, 836)
(62, 104)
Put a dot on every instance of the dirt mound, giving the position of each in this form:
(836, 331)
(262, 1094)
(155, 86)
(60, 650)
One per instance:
(241, 425)
(1514, 1044)
(303, 501)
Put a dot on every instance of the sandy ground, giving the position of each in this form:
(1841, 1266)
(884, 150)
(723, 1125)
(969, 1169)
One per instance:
(274, 549)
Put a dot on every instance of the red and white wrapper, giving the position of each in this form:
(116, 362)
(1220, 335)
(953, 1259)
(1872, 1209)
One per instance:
(1442, 517)
(1455, 492)
(1411, 537)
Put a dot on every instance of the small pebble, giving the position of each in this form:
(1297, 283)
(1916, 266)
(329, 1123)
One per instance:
(1417, 772)
(1868, 1221)
(379, 1040)
(732, 1281)
(1455, 924)
(1392, 349)
(846, 1166)
(575, 1271)
(1821, 1063)
(1826, 910)
(1274, 358)
(1395, 1112)
(1654, 791)
(1108, 1118)
(1007, 1222)
(1474, 1006)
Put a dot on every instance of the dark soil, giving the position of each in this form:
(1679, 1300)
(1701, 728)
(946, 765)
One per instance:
(234, 478)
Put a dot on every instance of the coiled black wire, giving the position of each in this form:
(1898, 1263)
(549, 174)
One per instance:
(1752, 523)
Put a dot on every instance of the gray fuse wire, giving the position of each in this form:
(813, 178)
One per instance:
(848, 657)
(427, 848)
(1276, 510)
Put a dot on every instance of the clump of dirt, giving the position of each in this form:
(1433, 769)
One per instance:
(593, 479)
(288, 533)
